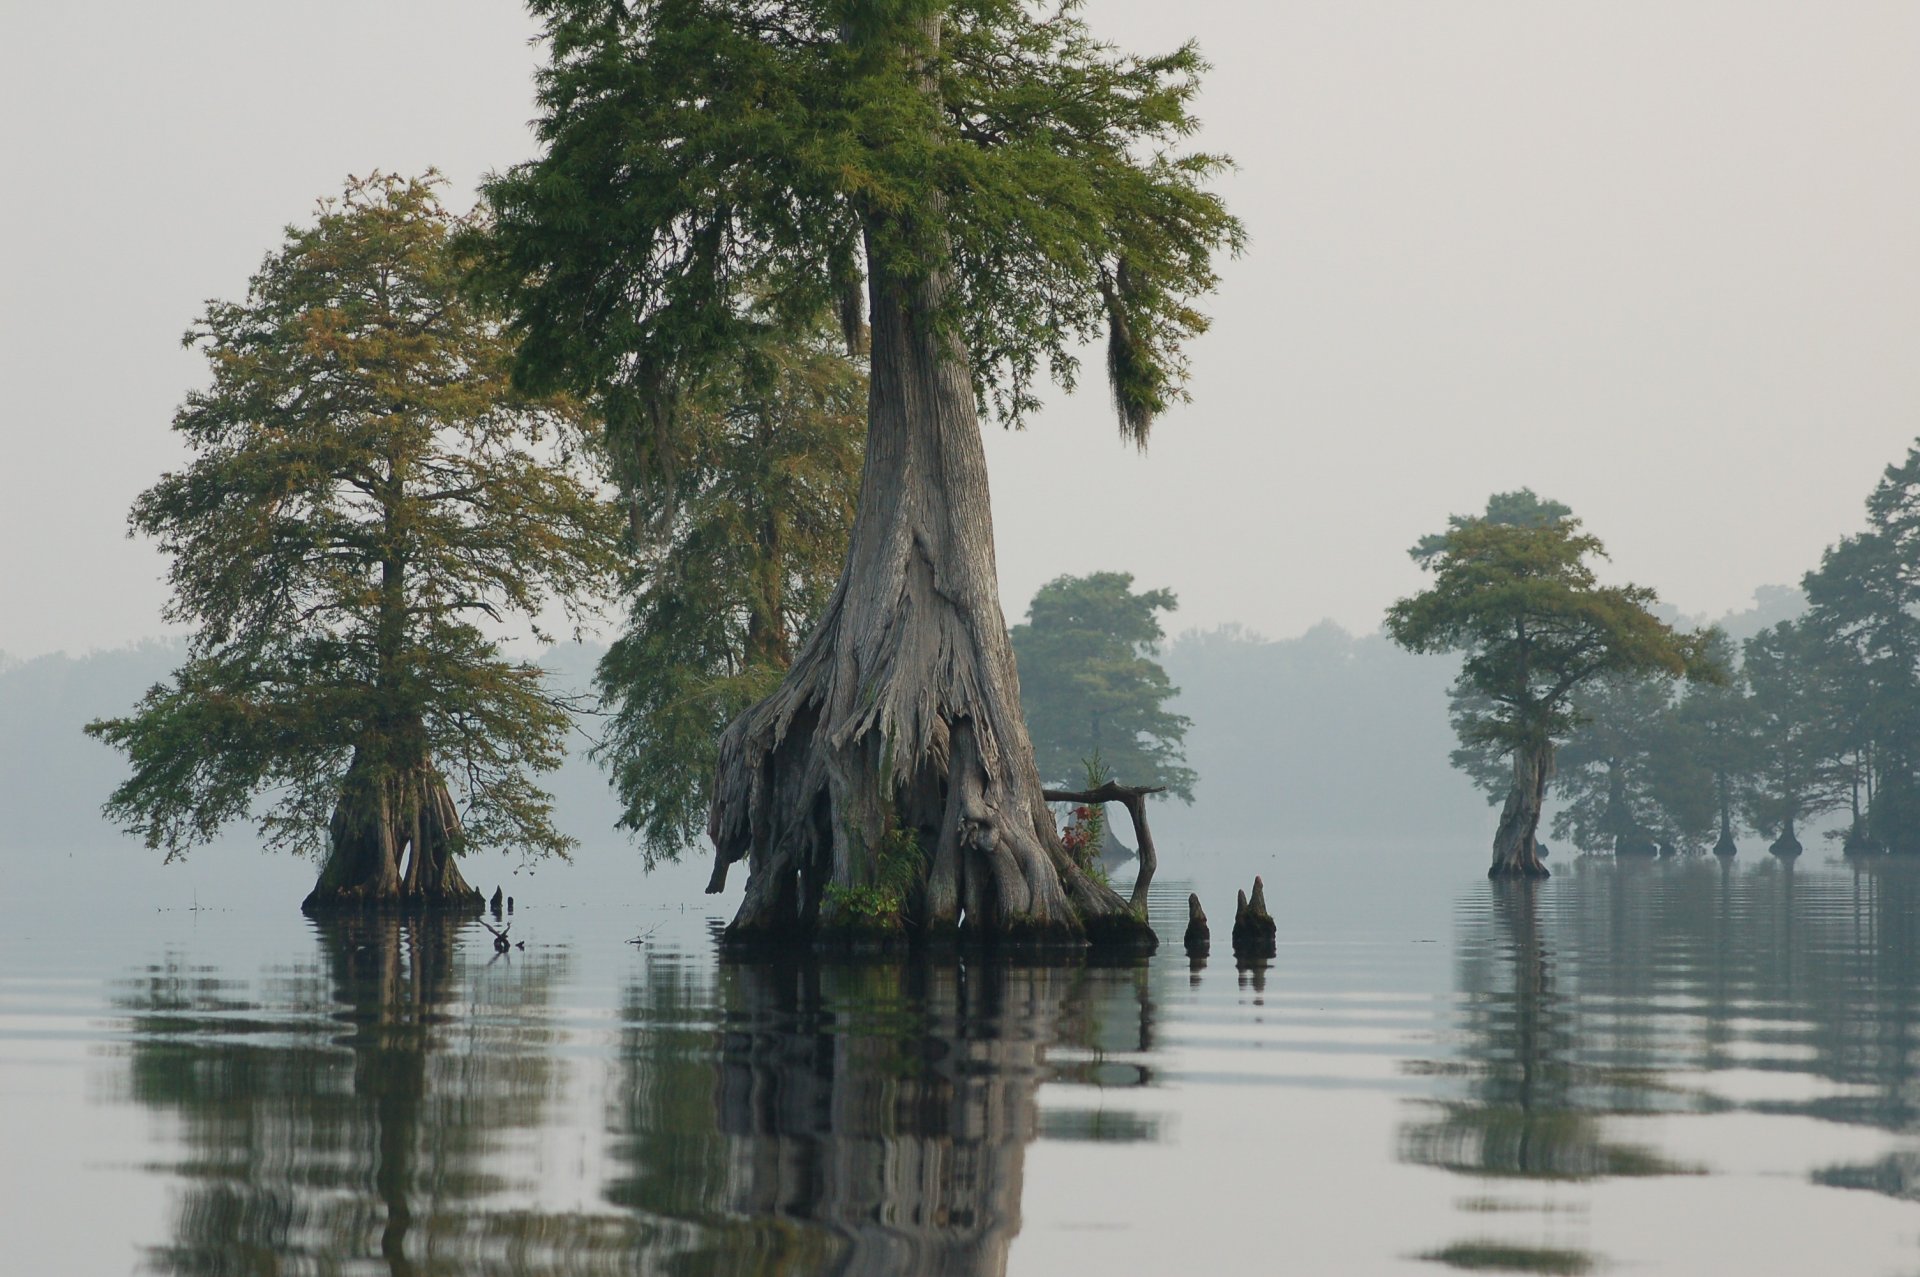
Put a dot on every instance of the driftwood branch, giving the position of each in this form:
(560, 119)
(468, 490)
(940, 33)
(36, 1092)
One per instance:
(1134, 799)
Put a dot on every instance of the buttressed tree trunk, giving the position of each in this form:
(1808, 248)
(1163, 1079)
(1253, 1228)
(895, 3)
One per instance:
(1516, 849)
(391, 843)
(1726, 847)
(888, 786)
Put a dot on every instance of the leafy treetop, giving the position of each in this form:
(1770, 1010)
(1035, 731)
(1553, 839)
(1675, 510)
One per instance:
(367, 489)
(1518, 509)
(1521, 601)
(744, 162)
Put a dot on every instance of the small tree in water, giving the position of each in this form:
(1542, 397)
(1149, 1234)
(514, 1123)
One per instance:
(367, 486)
(982, 186)
(1513, 591)
(1093, 688)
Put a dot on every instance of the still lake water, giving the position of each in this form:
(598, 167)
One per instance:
(1649, 1068)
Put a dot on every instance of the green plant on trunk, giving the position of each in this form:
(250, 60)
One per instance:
(977, 188)
(367, 488)
(1514, 592)
(1086, 833)
(898, 865)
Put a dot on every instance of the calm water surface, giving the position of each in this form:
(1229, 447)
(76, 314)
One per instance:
(1659, 1068)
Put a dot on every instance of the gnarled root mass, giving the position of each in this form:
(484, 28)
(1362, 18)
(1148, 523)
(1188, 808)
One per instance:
(869, 816)
(393, 838)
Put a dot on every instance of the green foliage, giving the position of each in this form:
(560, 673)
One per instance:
(1865, 604)
(367, 486)
(712, 167)
(1629, 771)
(1520, 600)
(1518, 509)
(1091, 685)
(1798, 768)
(898, 867)
(732, 563)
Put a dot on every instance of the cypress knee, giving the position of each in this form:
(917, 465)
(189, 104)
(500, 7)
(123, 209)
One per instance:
(1254, 932)
(1199, 939)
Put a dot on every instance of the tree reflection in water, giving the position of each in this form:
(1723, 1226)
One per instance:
(1532, 1102)
(351, 1118)
(867, 1118)
(382, 1109)
(1643, 984)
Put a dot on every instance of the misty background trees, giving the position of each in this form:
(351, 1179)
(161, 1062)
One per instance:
(1819, 718)
(1094, 690)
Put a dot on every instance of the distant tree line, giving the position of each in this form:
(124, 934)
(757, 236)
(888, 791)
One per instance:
(1818, 716)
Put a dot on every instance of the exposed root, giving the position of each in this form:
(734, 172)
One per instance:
(823, 814)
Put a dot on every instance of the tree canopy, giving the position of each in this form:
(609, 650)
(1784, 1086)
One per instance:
(713, 166)
(1093, 687)
(367, 491)
(1534, 622)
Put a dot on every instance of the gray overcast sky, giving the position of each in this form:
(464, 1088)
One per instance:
(1659, 261)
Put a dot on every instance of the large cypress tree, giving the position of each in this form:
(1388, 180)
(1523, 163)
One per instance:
(981, 185)
(367, 489)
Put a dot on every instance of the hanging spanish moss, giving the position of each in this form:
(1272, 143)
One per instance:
(1136, 379)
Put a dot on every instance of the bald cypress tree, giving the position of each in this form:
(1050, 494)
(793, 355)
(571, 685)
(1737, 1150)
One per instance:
(367, 491)
(977, 188)
(1514, 591)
